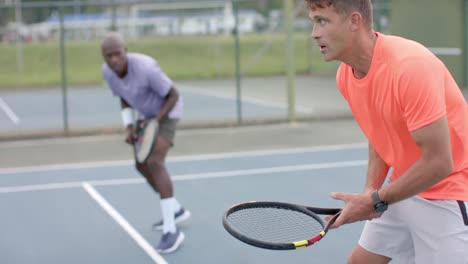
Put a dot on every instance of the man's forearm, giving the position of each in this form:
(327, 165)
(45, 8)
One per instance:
(376, 172)
(171, 100)
(434, 165)
(127, 114)
(422, 175)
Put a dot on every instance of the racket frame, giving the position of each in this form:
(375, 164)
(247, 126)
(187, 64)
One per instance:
(313, 212)
(153, 139)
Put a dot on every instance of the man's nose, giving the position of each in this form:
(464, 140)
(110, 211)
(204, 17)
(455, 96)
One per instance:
(113, 58)
(315, 34)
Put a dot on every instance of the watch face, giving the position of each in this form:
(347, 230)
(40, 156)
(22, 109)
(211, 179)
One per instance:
(382, 207)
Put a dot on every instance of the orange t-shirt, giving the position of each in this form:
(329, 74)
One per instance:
(406, 88)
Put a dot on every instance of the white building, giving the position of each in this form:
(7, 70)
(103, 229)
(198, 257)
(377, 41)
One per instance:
(139, 21)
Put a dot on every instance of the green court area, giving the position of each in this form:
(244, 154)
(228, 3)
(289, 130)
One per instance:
(181, 57)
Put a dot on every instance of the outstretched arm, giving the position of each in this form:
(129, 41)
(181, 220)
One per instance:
(377, 171)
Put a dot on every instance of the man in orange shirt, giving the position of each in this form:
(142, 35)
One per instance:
(416, 120)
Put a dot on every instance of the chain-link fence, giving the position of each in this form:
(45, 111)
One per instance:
(233, 61)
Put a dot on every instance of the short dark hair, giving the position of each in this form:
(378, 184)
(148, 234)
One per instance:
(113, 39)
(346, 7)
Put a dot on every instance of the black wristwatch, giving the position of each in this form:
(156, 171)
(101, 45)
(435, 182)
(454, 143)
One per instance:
(379, 205)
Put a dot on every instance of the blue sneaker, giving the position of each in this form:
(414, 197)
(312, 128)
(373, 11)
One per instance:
(170, 242)
(180, 216)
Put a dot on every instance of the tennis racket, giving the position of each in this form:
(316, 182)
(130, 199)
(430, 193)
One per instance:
(276, 225)
(146, 135)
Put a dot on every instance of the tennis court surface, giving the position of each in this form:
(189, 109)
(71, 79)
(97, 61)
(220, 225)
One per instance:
(85, 207)
(205, 102)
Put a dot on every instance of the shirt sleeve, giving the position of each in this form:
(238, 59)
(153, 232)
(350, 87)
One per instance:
(421, 92)
(159, 81)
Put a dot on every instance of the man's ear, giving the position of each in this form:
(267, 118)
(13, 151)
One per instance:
(355, 21)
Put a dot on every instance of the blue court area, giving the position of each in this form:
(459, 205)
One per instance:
(102, 212)
(96, 108)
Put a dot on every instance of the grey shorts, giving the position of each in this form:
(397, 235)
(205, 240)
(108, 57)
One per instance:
(167, 128)
(421, 231)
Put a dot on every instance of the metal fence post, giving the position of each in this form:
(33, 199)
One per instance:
(114, 17)
(290, 67)
(237, 55)
(465, 46)
(63, 71)
(19, 44)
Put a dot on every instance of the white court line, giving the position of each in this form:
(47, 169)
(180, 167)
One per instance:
(302, 109)
(189, 177)
(124, 224)
(240, 154)
(9, 112)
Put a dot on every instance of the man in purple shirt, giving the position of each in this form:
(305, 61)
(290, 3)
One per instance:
(142, 86)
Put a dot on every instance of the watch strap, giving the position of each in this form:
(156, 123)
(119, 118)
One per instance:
(375, 197)
(379, 205)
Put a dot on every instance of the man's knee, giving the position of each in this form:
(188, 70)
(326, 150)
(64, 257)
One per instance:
(352, 259)
(141, 167)
(156, 161)
(362, 256)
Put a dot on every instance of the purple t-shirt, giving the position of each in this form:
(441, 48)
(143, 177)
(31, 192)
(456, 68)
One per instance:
(144, 87)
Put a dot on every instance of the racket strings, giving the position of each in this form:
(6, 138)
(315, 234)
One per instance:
(146, 135)
(274, 225)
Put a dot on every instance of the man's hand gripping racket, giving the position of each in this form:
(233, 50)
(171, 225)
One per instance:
(145, 139)
(278, 226)
(132, 135)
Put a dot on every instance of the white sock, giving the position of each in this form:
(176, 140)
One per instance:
(176, 205)
(167, 208)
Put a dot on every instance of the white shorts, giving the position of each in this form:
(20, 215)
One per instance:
(421, 231)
